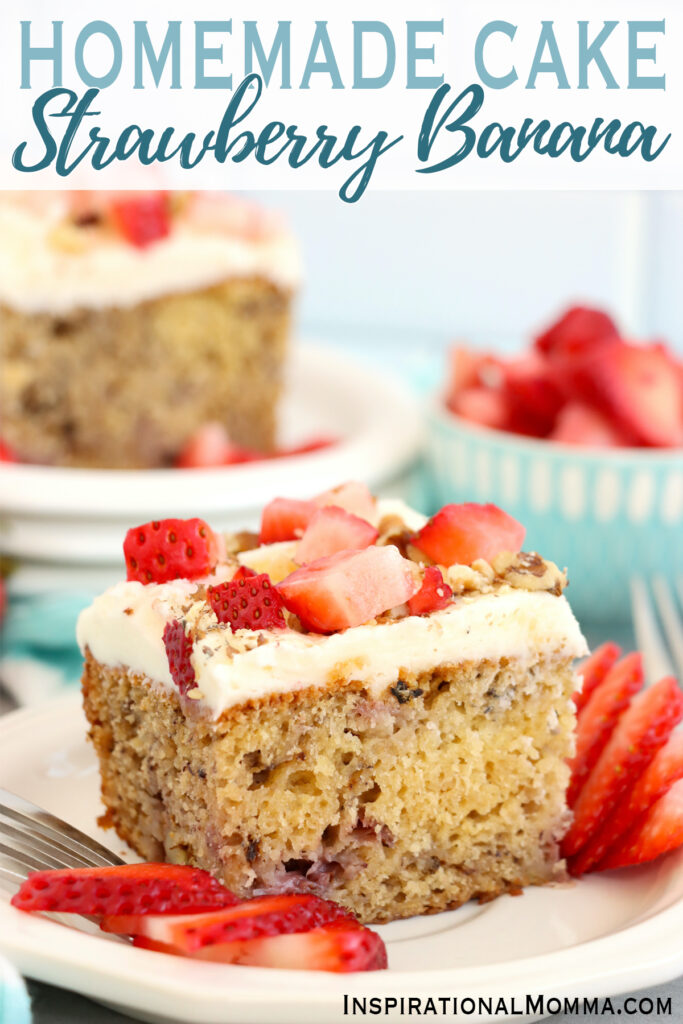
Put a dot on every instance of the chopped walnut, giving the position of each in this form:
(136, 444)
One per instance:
(392, 530)
(528, 571)
(465, 578)
(235, 543)
(483, 568)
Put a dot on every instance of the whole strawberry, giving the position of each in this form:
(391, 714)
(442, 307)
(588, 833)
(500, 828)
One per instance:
(170, 549)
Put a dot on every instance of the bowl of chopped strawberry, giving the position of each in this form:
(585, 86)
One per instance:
(581, 438)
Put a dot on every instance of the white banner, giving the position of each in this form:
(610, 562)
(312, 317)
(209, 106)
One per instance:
(343, 97)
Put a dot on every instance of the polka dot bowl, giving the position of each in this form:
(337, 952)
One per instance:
(608, 515)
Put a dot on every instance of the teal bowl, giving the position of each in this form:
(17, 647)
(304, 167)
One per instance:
(607, 515)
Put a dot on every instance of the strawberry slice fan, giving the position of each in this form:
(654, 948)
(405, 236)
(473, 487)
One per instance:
(184, 911)
(626, 786)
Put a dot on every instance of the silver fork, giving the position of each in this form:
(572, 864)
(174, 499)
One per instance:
(31, 839)
(661, 646)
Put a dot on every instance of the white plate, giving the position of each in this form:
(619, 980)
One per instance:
(605, 935)
(78, 516)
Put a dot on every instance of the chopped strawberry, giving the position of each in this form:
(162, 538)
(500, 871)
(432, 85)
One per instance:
(638, 387)
(643, 728)
(248, 602)
(464, 367)
(532, 395)
(481, 405)
(340, 948)
(179, 653)
(349, 588)
(660, 831)
(665, 768)
(315, 444)
(599, 716)
(578, 424)
(285, 519)
(353, 497)
(330, 530)
(6, 453)
(127, 889)
(248, 919)
(142, 218)
(579, 330)
(170, 549)
(211, 446)
(243, 573)
(593, 670)
(432, 595)
(460, 534)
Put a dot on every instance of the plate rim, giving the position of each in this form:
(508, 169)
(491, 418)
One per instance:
(652, 943)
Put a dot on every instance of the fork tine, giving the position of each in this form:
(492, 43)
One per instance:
(13, 878)
(61, 856)
(27, 861)
(54, 830)
(648, 637)
(671, 620)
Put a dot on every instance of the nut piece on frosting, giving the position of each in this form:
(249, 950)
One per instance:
(528, 571)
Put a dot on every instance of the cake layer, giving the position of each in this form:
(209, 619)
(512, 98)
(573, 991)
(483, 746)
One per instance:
(125, 625)
(127, 387)
(447, 786)
(44, 268)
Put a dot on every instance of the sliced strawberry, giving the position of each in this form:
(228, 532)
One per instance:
(338, 948)
(579, 330)
(642, 729)
(285, 519)
(460, 534)
(599, 716)
(532, 395)
(353, 497)
(433, 595)
(170, 549)
(179, 653)
(593, 670)
(247, 919)
(349, 588)
(248, 602)
(579, 424)
(481, 405)
(660, 831)
(142, 218)
(638, 387)
(127, 889)
(665, 768)
(6, 453)
(330, 530)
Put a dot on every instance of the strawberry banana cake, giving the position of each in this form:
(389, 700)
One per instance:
(357, 703)
(130, 320)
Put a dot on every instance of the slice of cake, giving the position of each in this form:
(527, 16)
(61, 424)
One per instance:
(130, 320)
(364, 705)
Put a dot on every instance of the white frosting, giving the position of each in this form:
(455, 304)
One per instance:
(36, 275)
(507, 623)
